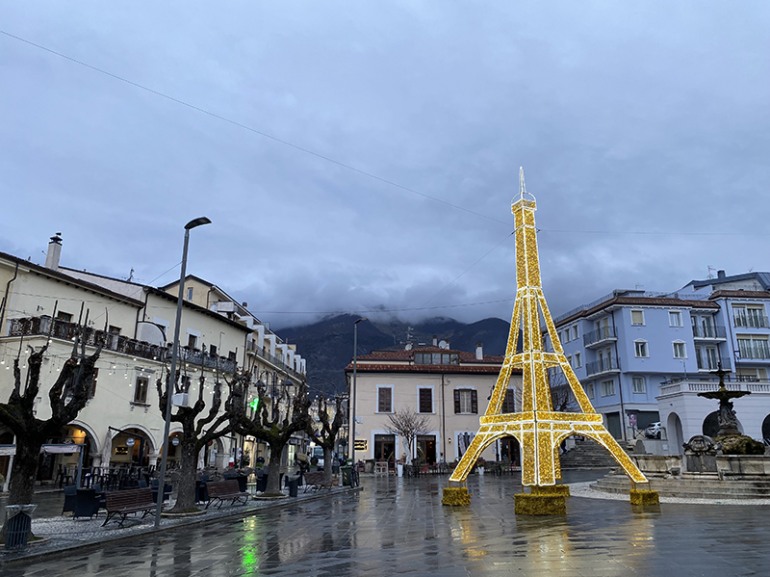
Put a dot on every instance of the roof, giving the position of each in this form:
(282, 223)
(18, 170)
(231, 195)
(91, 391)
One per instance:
(639, 301)
(402, 361)
(741, 294)
(763, 278)
(63, 277)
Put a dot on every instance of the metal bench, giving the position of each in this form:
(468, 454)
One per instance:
(226, 490)
(124, 503)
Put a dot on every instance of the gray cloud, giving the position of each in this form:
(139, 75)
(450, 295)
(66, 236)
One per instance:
(638, 125)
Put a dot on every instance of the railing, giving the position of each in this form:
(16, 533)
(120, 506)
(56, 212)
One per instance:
(705, 386)
(709, 332)
(751, 321)
(58, 329)
(711, 364)
(601, 334)
(601, 366)
(251, 347)
(753, 351)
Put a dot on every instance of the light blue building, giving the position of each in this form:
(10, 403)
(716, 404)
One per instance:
(643, 357)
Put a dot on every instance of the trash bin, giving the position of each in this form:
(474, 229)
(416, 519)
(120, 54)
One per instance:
(293, 484)
(18, 525)
(346, 470)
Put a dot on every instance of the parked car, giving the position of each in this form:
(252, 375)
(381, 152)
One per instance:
(653, 430)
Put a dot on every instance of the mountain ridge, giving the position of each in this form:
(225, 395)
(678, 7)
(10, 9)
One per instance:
(327, 344)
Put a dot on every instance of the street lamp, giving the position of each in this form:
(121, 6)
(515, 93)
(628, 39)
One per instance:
(352, 425)
(174, 358)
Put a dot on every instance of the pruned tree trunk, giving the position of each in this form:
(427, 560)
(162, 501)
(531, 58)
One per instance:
(185, 497)
(274, 469)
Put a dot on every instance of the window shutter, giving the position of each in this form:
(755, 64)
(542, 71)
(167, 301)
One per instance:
(457, 402)
(474, 402)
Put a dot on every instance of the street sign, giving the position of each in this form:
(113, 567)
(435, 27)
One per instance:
(361, 445)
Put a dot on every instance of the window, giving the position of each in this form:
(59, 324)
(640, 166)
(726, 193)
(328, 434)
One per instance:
(637, 318)
(578, 361)
(608, 388)
(574, 332)
(751, 316)
(753, 347)
(590, 390)
(569, 360)
(425, 400)
(707, 357)
(675, 318)
(384, 399)
(192, 341)
(140, 389)
(466, 402)
(639, 386)
(437, 359)
(189, 293)
(640, 349)
(508, 403)
(680, 351)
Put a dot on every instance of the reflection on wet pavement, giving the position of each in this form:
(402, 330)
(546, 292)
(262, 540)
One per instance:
(399, 527)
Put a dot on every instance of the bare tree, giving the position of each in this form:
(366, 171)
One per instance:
(325, 432)
(197, 432)
(278, 415)
(408, 425)
(67, 397)
(562, 398)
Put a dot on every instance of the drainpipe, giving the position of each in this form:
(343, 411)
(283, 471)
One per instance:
(443, 420)
(620, 382)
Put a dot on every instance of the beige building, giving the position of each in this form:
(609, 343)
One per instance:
(122, 424)
(448, 386)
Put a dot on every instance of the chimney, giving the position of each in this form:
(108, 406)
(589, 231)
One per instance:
(435, 340)
(720, 274)
(479, 351)
(54, 252)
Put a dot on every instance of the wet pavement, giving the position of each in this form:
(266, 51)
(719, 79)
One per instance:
(399, 527)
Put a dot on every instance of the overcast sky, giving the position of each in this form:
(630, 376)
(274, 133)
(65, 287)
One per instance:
(363, 155)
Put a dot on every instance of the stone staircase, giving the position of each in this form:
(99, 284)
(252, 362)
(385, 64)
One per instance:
(692, 486)
(587, 454)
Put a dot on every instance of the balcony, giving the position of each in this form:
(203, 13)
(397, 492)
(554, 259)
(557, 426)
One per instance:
(253, 349)
(712, 332)
(751, 321)
(754, 351)
(602, 366)
(43, 326)
(600, 336)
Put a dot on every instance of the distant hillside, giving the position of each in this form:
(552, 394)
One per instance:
(327, 345)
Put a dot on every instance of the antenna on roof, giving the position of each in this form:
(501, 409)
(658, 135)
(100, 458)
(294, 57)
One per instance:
(710, 270)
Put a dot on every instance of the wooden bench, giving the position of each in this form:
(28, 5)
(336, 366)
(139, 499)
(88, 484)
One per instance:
(316, 480)
(123, 503)
(226, 490)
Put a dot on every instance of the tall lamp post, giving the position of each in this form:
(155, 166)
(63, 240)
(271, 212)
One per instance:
(174, 358)
(352, 427)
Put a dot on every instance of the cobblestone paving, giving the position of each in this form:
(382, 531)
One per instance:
(399, 527)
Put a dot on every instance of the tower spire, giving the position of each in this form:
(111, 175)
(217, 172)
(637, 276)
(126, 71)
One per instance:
(522, 184)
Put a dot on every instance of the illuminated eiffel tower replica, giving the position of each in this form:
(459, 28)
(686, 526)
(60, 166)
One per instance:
(538, 428)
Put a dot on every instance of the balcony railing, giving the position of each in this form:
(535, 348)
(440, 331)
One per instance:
(602, 334)
(751, 321)
(602, 366)
(712, 364)
(251, 347)
(759, 352)
(58, 329)
(709, 332)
